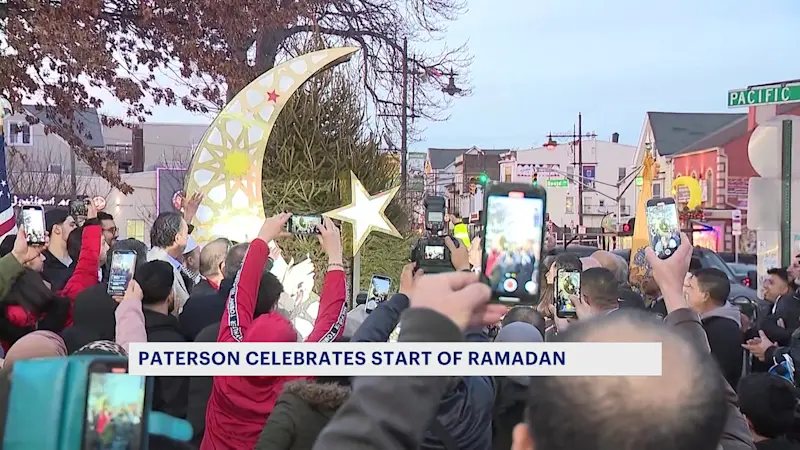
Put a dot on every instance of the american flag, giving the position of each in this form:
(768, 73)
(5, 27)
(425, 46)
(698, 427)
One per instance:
(7, 222)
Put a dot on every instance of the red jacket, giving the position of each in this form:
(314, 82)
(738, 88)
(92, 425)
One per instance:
(84, 276)
(239, 406)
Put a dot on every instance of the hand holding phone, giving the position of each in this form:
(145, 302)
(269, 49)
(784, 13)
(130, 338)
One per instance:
(305, 225)
(379, 288)
(79, 208)
(663, 226)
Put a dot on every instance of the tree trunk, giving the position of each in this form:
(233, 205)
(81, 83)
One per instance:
(267, 44)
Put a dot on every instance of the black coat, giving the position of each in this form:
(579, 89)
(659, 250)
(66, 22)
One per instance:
(200, 390)
(94, 311)
(779, 443)
(509, 409)
(201, 311)
(203, 287)
(301, 412)
(55, 272)
(725, 339)
(170, 394)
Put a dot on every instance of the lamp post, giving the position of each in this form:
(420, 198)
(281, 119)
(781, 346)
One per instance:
(551, 144)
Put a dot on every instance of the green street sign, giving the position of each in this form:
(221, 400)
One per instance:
(639, 181)
(557, 182)
(774, 95)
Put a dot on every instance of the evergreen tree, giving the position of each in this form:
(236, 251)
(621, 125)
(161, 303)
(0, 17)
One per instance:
(318, 139)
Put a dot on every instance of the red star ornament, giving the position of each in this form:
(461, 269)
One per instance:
(272, 96)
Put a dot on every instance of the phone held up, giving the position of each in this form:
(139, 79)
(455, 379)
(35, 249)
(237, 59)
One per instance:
(79, 208)
(379, 288)
(33, 224)
(513, 236)
(116, 407)
(304, 225)
(663, 226)
(568, 283)
(123, 266)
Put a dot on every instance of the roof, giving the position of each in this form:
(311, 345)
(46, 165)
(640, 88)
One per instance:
(674, 132)
(92, 132)
(442, 157)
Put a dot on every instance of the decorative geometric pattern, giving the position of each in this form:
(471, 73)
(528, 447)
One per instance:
(226, 168)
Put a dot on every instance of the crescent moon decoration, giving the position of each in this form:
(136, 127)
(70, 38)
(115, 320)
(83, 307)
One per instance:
(366, 213)
(695, 191)
(226, 168)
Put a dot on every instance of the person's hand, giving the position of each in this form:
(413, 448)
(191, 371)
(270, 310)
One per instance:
(407, 278)
(670, 273)
(476, 252)
(459, 256)
(23, 252)
(91, 210)
(330, 238)
(460, 296)
(274, 227)
(582, 309)
(561, 323)
(190, 206)
(132, 292)
(758, 346)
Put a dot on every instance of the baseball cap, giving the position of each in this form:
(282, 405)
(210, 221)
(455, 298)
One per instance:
(55, 217)
(191, 244)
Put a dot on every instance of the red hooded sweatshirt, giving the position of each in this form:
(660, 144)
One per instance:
(84, 276)
(240, 406)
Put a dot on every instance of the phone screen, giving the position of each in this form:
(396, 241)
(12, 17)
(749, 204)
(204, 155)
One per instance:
(434, 252)
(379, 288)
(663, 226)
(33, 224)
(121, 273)
(568, 283)
(304, 224)
(115, 406)
(78, 208)
(513, 245)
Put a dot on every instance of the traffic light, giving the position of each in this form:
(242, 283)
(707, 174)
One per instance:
(535, 178)
(483, 178)
(628, 227)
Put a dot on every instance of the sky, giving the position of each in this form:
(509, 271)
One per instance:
(537, 63)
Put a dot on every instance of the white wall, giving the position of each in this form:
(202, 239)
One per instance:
(607, 157)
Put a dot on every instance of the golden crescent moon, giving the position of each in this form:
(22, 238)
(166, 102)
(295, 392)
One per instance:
(226, 166)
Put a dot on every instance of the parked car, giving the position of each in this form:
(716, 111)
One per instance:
(743, 272)
(744, 258)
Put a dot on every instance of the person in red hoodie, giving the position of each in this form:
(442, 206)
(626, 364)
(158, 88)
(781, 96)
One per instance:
(24, 319)
(240, 406)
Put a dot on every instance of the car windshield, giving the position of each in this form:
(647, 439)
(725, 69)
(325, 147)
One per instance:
(741, 269)
(711, 259)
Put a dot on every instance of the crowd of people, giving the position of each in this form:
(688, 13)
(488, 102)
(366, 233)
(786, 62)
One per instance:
(728, 374)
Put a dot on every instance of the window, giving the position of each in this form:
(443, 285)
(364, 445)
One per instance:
(568, 205)
(623, 172)
(507, 174)
(135, 229)
(656, 190)
(622, 206)
(602, 202)
(54, 168)
(19, 133)
(570, 172)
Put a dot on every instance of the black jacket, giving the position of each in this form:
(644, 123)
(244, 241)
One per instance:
(55, 272)
(94, 311)
(203, 287)
(787, 308)
(630, 299)
(780, 443)
(511, 394)
(723, 329)
(300, 413)
(464, 416)
(201, 310)
(170, 394)
(200, 390)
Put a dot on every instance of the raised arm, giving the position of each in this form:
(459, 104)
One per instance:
(242, 299)
(130, 317)
(380, 323)
(332, 311)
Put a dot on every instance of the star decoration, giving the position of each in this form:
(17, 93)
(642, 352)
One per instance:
(366, 213)
(272, 96)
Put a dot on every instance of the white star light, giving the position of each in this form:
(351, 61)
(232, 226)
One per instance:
(366, 213)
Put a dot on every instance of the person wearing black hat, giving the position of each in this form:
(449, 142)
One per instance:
(57, 261)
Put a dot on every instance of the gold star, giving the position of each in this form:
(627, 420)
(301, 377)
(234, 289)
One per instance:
(366, 213)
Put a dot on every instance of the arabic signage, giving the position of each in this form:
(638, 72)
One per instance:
(738, 189)
(38, 201)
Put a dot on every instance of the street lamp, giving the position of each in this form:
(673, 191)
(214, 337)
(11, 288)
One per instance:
(551, 143)
(451, 89)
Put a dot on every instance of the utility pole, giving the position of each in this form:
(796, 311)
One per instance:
(551, 144)
(404, 124)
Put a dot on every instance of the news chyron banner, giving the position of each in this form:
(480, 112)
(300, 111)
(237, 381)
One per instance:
(395, 359)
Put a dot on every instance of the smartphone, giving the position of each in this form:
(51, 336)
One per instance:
(123, 265)
(304, 224)
(79, 208)
(663, 226)
(33, 224)
(116, 407)
(378, 292)
(513, 236)
(568, 283)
